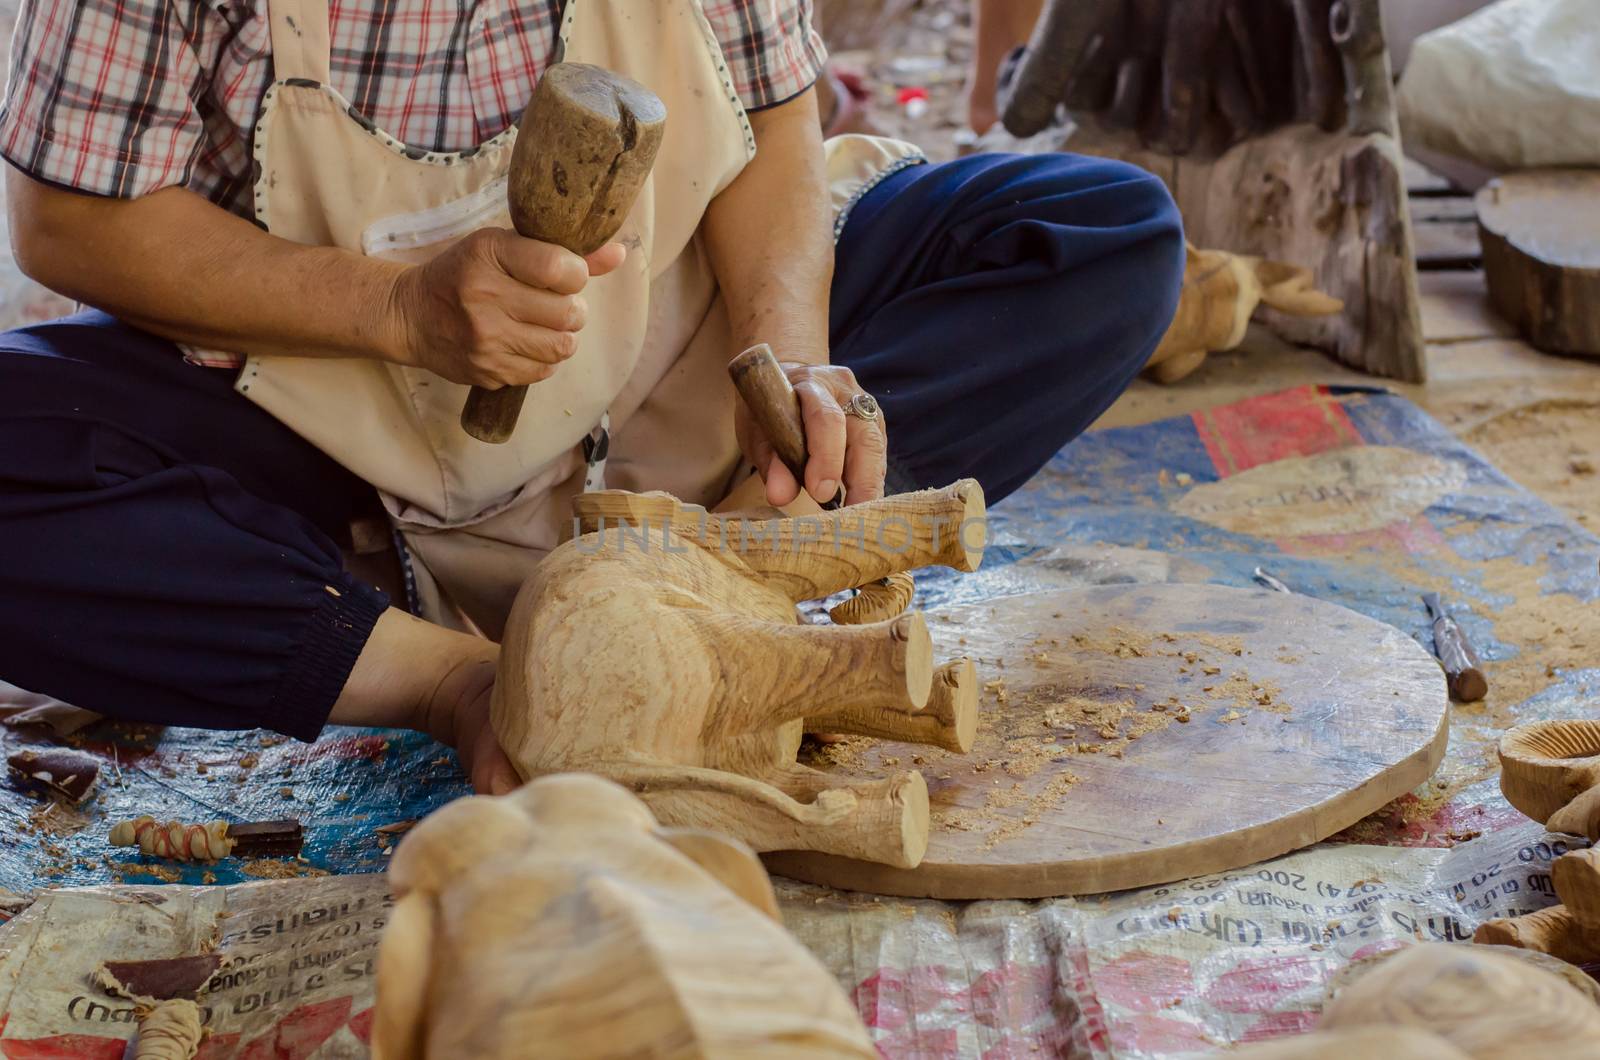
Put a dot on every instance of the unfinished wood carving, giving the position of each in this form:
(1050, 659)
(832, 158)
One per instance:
(1448, 1002)
(1198, 92)
(1220, 293)
(560, 921)
(663, 649)
(1569, 931)
(1550, 770)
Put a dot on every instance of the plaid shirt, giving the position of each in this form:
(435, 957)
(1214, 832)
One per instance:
(124, 97)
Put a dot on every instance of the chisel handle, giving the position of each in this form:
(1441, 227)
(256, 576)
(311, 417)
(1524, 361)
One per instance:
(765, 388)
(1462, 670)
(584, 149)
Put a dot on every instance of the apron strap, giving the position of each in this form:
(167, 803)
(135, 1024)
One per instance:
(301, 45)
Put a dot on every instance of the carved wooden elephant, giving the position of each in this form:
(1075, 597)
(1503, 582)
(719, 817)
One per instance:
(560, 922)
(1442, 1001)
(662, 648)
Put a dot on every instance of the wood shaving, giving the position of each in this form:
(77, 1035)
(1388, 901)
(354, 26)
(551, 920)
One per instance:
(57, 818)
(397, 828)
(276, 869)
(120, 870)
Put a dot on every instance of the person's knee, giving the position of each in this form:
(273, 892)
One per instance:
(1140, 275)
(1115, 233)
(1163, 249)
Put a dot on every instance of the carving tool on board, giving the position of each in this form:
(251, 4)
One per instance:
(209, 842)
(765, 388)
(585, 147)
(1462, 669)
(1269, 581)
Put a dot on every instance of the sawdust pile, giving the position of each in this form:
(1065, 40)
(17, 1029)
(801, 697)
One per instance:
(999, 828)
(278, 869)
(1104, 720)
(1031, 730)
(1551, 448)
(53, 817)
(121, 870)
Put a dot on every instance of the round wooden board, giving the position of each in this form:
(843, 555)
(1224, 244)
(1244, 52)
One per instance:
(1314, 717)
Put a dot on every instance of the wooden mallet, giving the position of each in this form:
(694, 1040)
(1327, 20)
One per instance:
(584, 148)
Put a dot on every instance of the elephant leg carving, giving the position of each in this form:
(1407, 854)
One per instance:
(886, 820)
(770, 673)
(949, 720)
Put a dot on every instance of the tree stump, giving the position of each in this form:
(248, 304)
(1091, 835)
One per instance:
(1330, 202)
(1540, 232)
(1272, 122)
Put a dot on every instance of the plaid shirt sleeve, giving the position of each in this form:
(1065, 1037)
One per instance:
(100, 95)
(773, 53)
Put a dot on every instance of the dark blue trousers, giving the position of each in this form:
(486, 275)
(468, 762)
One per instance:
(170, 553)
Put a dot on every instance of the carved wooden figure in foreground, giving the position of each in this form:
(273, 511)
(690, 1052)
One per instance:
(1550, 770)
(663, 649)
(560, 922)
(1441, 1001)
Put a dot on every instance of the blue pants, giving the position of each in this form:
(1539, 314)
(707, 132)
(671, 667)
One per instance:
(170, 553)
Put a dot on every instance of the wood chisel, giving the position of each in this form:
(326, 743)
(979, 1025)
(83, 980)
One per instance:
(766, 389)
(1462, 669)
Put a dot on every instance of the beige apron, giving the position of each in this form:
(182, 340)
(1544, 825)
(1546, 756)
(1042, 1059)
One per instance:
(652, 358)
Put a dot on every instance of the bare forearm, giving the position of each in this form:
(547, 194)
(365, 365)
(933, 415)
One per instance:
(770, 238)
(181, 267)
(999, 26)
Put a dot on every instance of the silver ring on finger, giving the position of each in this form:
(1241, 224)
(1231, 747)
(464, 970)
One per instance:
(862, 406)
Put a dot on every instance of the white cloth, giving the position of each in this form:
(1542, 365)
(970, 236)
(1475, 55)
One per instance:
(1514, 86)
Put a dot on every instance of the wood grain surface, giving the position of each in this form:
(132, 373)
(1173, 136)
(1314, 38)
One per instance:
(1303, 717)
